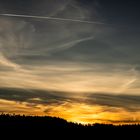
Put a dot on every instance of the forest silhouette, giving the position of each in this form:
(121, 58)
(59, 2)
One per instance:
(46, 127)
(8, 121)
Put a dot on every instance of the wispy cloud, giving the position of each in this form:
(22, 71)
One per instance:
(8, 63)
(89, 108)
(92, 67)
(129, 102)
(52, 18)
(71, 44)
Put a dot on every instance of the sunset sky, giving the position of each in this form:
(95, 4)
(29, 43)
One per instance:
(81, 63)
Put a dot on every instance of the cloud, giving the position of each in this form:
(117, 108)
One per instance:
(71, 44)
(86, 108)
(28, 44)
(21, 37)
(34, 96)
(129, 102)
(4, 62)
(82, 72)
(51, 18)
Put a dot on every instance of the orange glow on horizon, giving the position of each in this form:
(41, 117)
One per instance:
(76, 112)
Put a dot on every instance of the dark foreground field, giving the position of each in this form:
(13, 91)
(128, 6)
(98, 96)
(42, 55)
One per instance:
(56, 127)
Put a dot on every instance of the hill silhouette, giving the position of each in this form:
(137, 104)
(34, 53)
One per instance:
(35, 125)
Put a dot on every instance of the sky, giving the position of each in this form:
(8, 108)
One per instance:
(80, 63)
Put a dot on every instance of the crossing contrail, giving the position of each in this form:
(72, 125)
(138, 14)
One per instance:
(51, 18)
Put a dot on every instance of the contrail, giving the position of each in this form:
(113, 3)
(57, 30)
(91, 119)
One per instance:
(71, 44)
(52, 18)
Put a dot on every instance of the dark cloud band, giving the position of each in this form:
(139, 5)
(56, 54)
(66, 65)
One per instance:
(127, 102)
